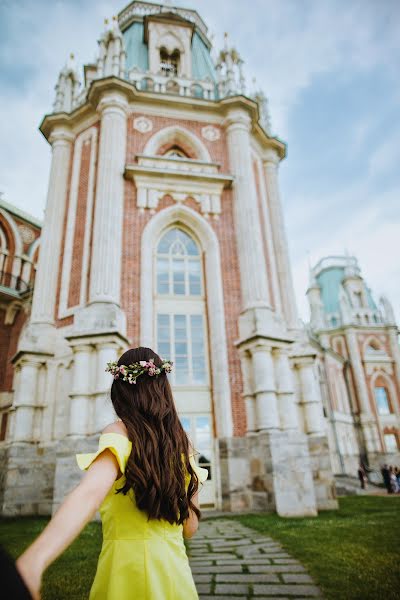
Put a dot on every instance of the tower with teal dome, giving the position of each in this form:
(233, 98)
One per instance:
(362, 386)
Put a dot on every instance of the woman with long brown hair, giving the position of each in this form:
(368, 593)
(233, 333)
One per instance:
(145, 482)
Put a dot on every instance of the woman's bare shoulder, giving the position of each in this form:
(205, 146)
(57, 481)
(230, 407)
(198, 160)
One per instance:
(116, 427)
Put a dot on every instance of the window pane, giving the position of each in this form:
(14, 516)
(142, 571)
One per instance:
(164, 349)
(196, 321)
(382, 401)
(194, 278)
(181, 348)
(162, 276)
(163, 320)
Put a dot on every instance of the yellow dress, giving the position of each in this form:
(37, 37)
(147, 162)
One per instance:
(139, 559)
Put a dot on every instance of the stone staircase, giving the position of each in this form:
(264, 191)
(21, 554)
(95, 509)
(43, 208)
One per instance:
(350, 486)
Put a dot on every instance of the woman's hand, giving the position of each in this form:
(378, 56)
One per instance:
(31, 572)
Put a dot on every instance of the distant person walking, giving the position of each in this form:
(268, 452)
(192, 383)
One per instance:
(393, 480)
(386, 478)
(362, 476)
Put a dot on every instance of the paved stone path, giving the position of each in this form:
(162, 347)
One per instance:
(229, 560)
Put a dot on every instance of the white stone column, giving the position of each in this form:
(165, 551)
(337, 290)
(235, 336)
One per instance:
(253, 272)
(311, 398)
(271, 162)
(285, 389)
(80, 390)
(44, 295)
(105, 275)
(247, 394)
(267, 415)
(25, 400)
(106, 351)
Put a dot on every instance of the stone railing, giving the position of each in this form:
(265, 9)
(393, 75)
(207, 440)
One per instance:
(165, 84)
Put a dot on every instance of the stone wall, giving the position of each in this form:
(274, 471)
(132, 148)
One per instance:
(28, 479)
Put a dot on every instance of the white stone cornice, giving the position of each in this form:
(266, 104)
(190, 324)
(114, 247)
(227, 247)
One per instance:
(153, 183)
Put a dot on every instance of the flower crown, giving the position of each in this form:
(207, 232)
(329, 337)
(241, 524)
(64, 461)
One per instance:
(131, 372)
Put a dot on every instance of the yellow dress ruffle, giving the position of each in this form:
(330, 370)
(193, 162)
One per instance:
(139, 559)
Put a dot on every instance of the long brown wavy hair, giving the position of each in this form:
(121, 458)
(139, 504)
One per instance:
(159, 459)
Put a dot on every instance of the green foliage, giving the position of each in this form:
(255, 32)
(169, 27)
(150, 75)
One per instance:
(351, 553)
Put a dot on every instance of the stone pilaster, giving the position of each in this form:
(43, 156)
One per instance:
(271, 162)
(253, 271)
(103, 312)
(105, 275)
(44, 296)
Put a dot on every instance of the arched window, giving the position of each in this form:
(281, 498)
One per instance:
(180, 307)
(382, 400)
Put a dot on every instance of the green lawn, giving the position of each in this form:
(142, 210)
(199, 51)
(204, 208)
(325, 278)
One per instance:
(353, 553)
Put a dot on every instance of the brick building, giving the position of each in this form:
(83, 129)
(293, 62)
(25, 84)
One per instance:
(164, 228)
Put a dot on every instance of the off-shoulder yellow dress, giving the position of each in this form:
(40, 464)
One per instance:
(139, 559)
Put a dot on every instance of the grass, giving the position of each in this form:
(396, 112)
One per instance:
(352, 553)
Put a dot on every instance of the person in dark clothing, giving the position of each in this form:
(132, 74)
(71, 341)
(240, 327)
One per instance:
(12, 584)
(386, 478)
(362, 476)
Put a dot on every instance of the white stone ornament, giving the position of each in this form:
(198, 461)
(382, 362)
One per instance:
(210, 133)
(27, 234)
(142, 124)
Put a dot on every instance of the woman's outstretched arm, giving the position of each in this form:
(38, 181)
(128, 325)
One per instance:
(74, 513)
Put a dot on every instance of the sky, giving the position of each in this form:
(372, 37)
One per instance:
(330, 69)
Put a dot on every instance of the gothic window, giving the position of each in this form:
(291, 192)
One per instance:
(169, 63)
(180, 307)
(390, 442)
(382, 400)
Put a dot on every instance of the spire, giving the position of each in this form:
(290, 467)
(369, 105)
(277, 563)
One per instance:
(230, 70)
(67, 87)
(112, 55)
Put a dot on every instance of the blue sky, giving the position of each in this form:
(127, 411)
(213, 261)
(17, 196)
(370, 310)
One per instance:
(331, 71)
